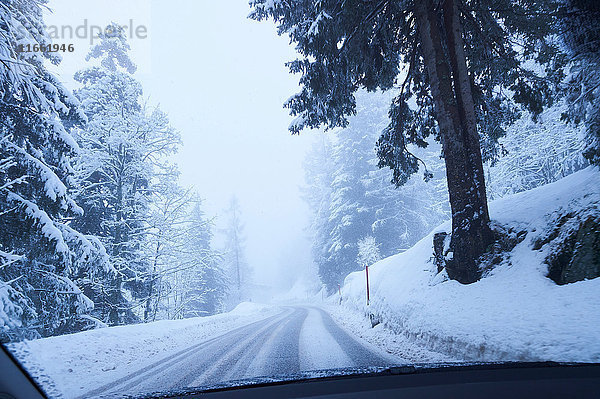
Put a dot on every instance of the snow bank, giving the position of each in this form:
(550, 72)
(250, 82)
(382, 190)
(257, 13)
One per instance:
(397, 345)
(515, 312)
(77, 363)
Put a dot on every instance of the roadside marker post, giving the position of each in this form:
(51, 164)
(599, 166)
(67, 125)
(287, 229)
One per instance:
(367, 273)
(374, 320)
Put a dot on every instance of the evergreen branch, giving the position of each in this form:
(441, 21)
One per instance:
(378, 8)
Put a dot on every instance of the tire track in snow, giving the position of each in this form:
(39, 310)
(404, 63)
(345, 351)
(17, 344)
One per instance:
(183, 372)
(151, 371)
(281, 353)
(319, 349)
(295, 340)
(218, 367)
(359, 353)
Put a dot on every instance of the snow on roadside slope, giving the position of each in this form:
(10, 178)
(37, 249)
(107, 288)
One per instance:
(77, 363)
(396, 344)
(515, 313)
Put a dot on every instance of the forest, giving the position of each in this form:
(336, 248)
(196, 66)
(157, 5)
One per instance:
(429, 109)
(95, 228)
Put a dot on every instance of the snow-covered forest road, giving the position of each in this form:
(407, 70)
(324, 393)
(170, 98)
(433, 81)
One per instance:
(299, 338)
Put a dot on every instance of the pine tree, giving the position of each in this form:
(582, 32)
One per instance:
(207, 283)
(350, 213)
(351, 198)
(123, 146)
(461, 59)
(581, 35)
(234, 262)
(41, 254)
(319, 168)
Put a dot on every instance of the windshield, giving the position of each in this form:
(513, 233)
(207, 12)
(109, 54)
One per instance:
(196, 193)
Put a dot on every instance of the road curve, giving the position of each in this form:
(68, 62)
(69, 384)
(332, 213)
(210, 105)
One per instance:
(296, 340)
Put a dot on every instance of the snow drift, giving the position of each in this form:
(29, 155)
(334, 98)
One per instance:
(515, 312)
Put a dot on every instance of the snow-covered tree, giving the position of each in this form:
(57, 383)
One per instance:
(352, 198)
(536, 153)
(234, 258)
(186, 279)
(581, 35)
(40, 253)
(123, 146)
(165, 237)
(368, 251)
(319, 169)
(206, 285)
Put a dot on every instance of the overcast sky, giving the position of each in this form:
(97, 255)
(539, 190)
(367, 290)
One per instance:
(222, 80)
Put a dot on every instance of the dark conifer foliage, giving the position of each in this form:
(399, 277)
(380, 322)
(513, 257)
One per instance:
(463, 57)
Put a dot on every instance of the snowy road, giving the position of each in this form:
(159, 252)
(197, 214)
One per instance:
(295, 340)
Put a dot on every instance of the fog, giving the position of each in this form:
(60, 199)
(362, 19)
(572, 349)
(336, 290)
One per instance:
(221, 78)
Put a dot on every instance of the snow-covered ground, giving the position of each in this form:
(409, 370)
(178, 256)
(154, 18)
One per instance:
(251, 343)
(514, 313)
(78, 363)
(384, 338)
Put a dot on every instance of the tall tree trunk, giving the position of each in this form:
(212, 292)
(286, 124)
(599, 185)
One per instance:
(115, 301)
(115, 298)
(464, 95)
(152, 283)
(455, 114)
(237, 256)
